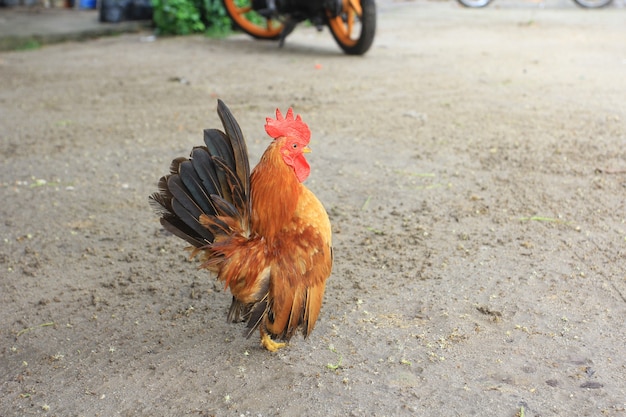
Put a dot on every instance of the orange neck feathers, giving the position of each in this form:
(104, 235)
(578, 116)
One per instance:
(274, 192)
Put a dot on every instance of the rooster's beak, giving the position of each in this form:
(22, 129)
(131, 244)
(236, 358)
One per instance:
(306, 149)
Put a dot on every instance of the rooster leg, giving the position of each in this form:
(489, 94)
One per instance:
(268, 343)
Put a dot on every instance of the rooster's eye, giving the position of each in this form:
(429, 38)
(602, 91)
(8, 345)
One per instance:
(295, 146)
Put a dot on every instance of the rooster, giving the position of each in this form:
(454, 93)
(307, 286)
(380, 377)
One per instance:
(264, 234)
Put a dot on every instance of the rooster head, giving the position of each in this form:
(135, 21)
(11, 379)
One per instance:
(295, 136)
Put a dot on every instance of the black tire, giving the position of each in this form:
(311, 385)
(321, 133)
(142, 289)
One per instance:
(592, 4)
(343, 26)
(474, 3)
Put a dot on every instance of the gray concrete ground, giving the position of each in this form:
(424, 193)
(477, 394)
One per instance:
(474, 167)
(24, 27)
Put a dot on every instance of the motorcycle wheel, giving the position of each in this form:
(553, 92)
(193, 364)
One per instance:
(354, 28)
(474, 3)
(250, 22)
(592, 4)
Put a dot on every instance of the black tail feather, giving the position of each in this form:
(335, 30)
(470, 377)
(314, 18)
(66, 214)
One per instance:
(218, 144)
(238, 143)
(182, 201)
(175, 165)
(218, 148)
(192, 221)
(194, 185)
(237, 190)
(239, 149)
(224, 208)
(178, 228)
(255, 315)
(237, 312)
(161, 201)
(205, 169)
(214, 181)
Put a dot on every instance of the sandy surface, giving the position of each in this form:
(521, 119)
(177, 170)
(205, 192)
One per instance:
(474, 168)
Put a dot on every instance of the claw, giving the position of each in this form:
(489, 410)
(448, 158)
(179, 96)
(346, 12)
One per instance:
(270, 344)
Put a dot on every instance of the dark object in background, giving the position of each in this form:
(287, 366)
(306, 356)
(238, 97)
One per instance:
(141, 10)
(115, 11)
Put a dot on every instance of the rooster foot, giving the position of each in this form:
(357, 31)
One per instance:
(269, 344)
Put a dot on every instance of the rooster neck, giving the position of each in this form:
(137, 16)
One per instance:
(274, 193)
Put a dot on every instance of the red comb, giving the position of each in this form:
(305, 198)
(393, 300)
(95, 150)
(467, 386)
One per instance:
(287, 126)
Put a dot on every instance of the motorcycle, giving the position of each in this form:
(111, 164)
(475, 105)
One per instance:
(352, 23)
(587, 4)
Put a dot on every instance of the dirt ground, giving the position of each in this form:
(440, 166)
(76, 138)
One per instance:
(473, 164)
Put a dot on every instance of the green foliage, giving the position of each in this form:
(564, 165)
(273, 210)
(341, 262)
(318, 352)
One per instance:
(218, 22)
(177, 17)
(183, 17)
(27, 45)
